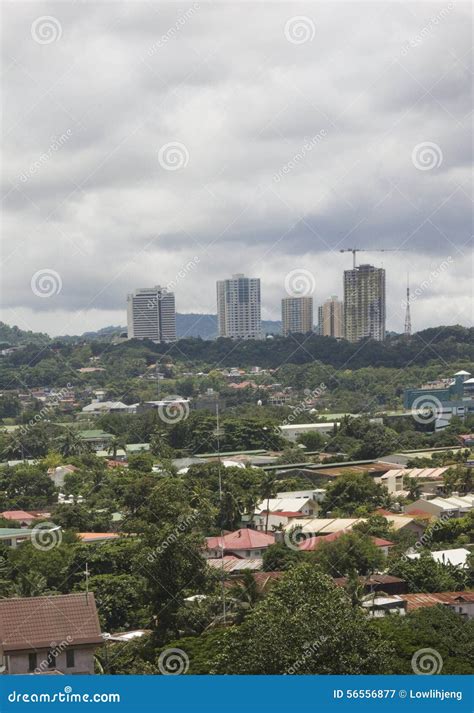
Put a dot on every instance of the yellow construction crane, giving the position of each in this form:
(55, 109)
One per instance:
(368, 250)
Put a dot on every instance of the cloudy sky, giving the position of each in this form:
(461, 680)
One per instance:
(156, 143)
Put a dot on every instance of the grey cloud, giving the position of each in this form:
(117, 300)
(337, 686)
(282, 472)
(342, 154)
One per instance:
(127, 78)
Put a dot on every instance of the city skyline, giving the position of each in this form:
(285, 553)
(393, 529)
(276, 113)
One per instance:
(237, 152)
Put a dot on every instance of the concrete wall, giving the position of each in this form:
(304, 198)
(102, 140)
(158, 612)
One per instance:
(18, 663)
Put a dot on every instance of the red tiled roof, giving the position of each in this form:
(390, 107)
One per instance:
(243, 539)
(380, 542)
(17, 515)
(421, 514)
(35, 622)
(313, 543)
(264, 579)
(420, 599)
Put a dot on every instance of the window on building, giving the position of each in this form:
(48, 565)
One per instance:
(32, 660)
(70, 658)
(51, 659)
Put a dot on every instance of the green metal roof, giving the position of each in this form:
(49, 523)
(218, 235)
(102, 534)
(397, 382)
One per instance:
(13, 531)
(94, 434)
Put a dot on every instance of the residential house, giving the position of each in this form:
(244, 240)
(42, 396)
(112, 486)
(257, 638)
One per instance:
(96, 408)
(460, 602)
(49, 634)
(378, 606)
(14, 536)
(454, 506)
(316, 494)
(312, 543)
(231, 564)
(385, 583)
(394, 480)
(302, 506)
(25, 519)
(97, 439)
(244, 543)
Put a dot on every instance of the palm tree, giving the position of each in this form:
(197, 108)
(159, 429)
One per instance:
(70, 443)
(230, 514)
(267, 491)
(413, 486)
(116, 443)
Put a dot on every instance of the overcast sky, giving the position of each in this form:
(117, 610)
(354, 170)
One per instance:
(156, 143)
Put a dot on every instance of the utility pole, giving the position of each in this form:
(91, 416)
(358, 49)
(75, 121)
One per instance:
(219, 465)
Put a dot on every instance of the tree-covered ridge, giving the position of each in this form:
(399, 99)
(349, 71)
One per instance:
(14, 336)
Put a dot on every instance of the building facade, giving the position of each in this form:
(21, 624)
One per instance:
(238, 307)
(151, 314)
(364, 303)
(49, 634)
(448, 398)
(332, 318)
(296, 315)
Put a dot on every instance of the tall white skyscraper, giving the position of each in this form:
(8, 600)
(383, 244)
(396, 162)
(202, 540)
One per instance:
(364, 303)
(238, 307)
(151, 314)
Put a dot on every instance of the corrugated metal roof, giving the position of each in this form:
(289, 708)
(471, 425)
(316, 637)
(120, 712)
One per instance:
(234, 564)
(420, 599)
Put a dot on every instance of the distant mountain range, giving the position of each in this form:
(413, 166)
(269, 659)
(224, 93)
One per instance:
(187, 325)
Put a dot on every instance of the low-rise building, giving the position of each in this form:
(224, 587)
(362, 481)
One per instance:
(460, 602)
(454, 506)
(49, 634)
(244, 543)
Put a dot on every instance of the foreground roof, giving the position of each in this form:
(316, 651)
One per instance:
(35, 622)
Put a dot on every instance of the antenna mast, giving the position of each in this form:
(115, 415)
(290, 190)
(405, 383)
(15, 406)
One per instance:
(407, 313)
